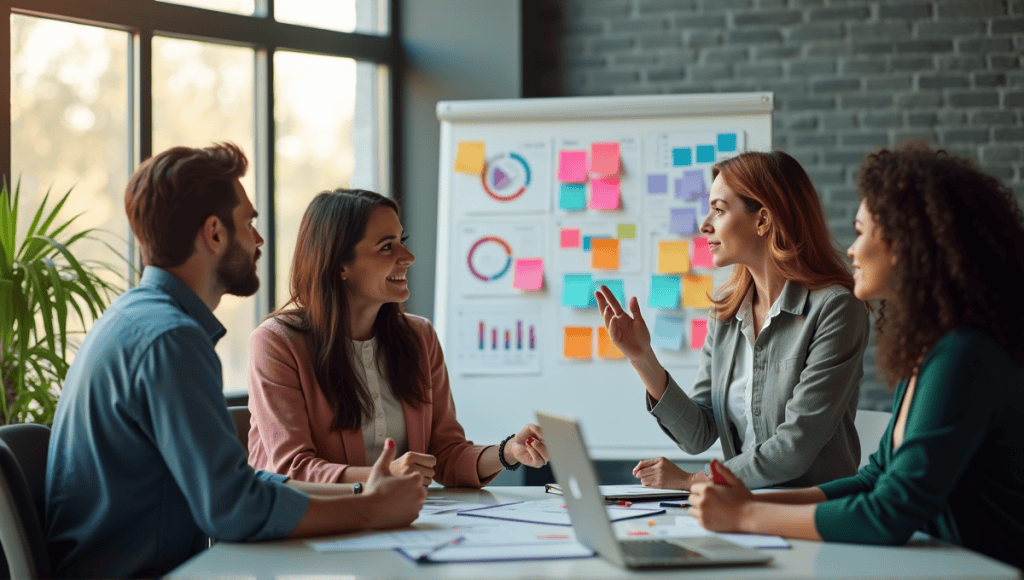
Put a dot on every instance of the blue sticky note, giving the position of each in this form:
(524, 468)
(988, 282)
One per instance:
(705, 153)
(684, 220)
(586, 243)
(578, 290)
(617, 288)
(572, 196)
(664, 292)
(668, 332)
(727, 141)
(690, 185)
(705, 203)
(683, 156)
(657, 183)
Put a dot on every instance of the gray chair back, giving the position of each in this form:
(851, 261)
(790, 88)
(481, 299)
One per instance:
(23, 451)
(871, 425)
(240, 416)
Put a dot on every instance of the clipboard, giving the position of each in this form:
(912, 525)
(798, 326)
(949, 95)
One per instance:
(629, 492)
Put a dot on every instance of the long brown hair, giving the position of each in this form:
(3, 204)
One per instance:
(800, 245)
(958, 235)
(333, 224)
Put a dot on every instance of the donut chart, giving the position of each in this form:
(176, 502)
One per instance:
(505, 177)
(489, 258)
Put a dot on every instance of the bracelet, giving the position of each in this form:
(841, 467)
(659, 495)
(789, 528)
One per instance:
(501, 454)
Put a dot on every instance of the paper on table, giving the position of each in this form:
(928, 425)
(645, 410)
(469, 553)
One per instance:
(551, 512)
(464, 553)
(441, 505)
(628, 491)
(387, 540)
(688, 525)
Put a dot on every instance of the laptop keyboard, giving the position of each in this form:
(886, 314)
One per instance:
(656, 551)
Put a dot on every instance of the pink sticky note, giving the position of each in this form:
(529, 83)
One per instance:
(572, 166)
(570, 238)
(698, 332)
(529, 274)
(701, 254)
(604, 193)
(604, 158)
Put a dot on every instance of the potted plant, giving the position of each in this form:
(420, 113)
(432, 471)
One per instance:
(42, 284)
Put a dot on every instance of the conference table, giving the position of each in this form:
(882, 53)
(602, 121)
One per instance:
(922, 557)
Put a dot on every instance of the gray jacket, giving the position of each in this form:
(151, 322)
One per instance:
(807, 368)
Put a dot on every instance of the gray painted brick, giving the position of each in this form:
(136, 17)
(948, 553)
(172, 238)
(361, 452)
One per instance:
(672, 74)
(1015, 80)
(877, 101)
(845, 157)
(712, 5)
(611, 44)
(703, 38)
(776, 52)
(875, 47)
(912, 64)
(812, 67)
(961, 63)
(814, 49)
(807, 3)
(864, 66)
(1017, 7)
(814, 32)
(827, 175)
(883, 120)
(833, 122)
(846, 194)
(922, 119)
(640, 25)
(1000, 153)
(753, 36)
(1003, 62)
(634, 60)
(974, 8)
(811, 103)
(1003, 134)
(952, 118)
(724, 54)
(764, 17)
(984, 45)
(614, 77)
(582, 27)
(806, 157)
(615, 9)
(905, 11)
(974, 99)
(586, 62)
(786, 88)
(943, 82)
(904, 135)
(678, 58)
(836, 85)
(710, 72)
(888, 83)
(856, 13)
(865, 139)
(965, 136)
(918, 99)
(1001, 172)
(989, 80)
(659, 6)
(758, 70)
(802, 123)
(930, 46)
(699, 21)
(1007, 26)
(880, 30)
(1013, 100)
(947, 28)
(994, 117)
(654, 41)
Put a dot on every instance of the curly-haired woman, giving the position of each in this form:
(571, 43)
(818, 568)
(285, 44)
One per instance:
(939, 244)
(783, 359)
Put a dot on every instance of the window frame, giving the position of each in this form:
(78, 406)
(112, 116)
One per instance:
(144, 19)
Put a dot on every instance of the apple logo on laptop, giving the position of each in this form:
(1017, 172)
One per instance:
(574, 487)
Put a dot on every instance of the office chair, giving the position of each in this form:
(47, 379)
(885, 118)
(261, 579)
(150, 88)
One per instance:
(23, 451)
(870, 425)
(240, 415)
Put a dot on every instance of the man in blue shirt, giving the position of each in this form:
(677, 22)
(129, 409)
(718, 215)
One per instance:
(143, 462)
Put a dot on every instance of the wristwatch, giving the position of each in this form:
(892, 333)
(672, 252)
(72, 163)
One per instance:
(357, 488)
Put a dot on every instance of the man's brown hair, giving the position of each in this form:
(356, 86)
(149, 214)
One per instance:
(171, 194)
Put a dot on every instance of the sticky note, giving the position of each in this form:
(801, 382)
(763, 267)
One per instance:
(698, 332)
(696, 291)
(684, 220)
(570, 238)
(657, 183)
(691, 185)
(705, 153)
(529, 274)
(577, 290)
(673, 256)
(604, 193)
(470, 158)
(605, 158)
(605, 347)
(572, 196)
(682, 156)
(626, 231)
(664, 292)
(604, 253)
(668, 332)
(572, 166)
(577, 342)
(702, 254)
(586, 243)
(727, 142)
(617, 288)
(705, 203)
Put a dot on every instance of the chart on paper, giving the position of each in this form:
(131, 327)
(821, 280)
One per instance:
(498, 340)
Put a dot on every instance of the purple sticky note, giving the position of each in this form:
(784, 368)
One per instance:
(657, 183)
(705, 203)
(691, 185)
(684, 220)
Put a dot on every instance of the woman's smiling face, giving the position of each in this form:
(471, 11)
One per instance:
(873, 258)
(732, 231)
(377, 274)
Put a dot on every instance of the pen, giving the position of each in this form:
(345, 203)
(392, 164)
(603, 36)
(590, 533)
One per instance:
(425, 556)
(675, 504)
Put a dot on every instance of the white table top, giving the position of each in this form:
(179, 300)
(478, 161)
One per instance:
(294, 558)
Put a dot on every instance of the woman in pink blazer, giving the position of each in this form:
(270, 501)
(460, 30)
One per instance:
(340, 368)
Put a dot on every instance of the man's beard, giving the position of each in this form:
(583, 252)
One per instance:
(236, 271)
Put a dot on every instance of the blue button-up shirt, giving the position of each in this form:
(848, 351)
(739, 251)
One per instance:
(144, 463)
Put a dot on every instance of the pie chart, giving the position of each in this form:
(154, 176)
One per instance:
(506, 177)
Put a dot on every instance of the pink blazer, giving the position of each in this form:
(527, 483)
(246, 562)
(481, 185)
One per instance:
(290, 428)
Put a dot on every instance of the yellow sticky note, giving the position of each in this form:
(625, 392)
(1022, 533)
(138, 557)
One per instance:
(605, 347)
(470, 158)
(696, 291)
(577, 342)
(673, 256)
(605, 253)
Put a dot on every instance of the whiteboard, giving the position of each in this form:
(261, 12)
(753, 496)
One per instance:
(514, 199)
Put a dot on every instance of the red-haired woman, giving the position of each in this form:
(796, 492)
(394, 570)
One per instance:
(780, 370)
(341, 368)
(939, 244)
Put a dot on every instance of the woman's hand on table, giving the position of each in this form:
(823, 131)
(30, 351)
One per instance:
(412, 462)
(527, 447)
(720, 507)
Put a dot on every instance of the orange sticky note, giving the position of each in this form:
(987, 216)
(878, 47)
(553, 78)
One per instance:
(572, 166)
(673, 256)
(577, 342)
(605, 159)
(529, 274)
(470, 158)
(698, 332)
(605, 253)
(702, 254)
(570, 238)
(604, 193)
(605, 347)
(696, 291)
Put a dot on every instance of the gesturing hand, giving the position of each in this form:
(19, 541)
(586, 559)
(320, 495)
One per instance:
(527, 447)
(661, 473)
(412, 462)
(719, 507)
(628, 333)
(398, 498)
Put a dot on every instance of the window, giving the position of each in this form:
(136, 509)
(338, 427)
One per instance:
(89, 101)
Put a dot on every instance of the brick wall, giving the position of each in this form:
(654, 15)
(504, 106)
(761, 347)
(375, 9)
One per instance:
(849, 76)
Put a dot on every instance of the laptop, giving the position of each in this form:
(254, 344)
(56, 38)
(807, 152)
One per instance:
(575, 473)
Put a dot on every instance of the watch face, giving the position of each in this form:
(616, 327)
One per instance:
(357, 488)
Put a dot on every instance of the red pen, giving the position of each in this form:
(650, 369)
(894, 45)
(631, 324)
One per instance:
(716, 476)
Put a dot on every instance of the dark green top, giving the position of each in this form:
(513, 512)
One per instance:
(959, 474)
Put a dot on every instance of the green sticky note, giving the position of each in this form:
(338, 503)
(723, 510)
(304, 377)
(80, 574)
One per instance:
(626, 232)
(578, 290)
(664, 292)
